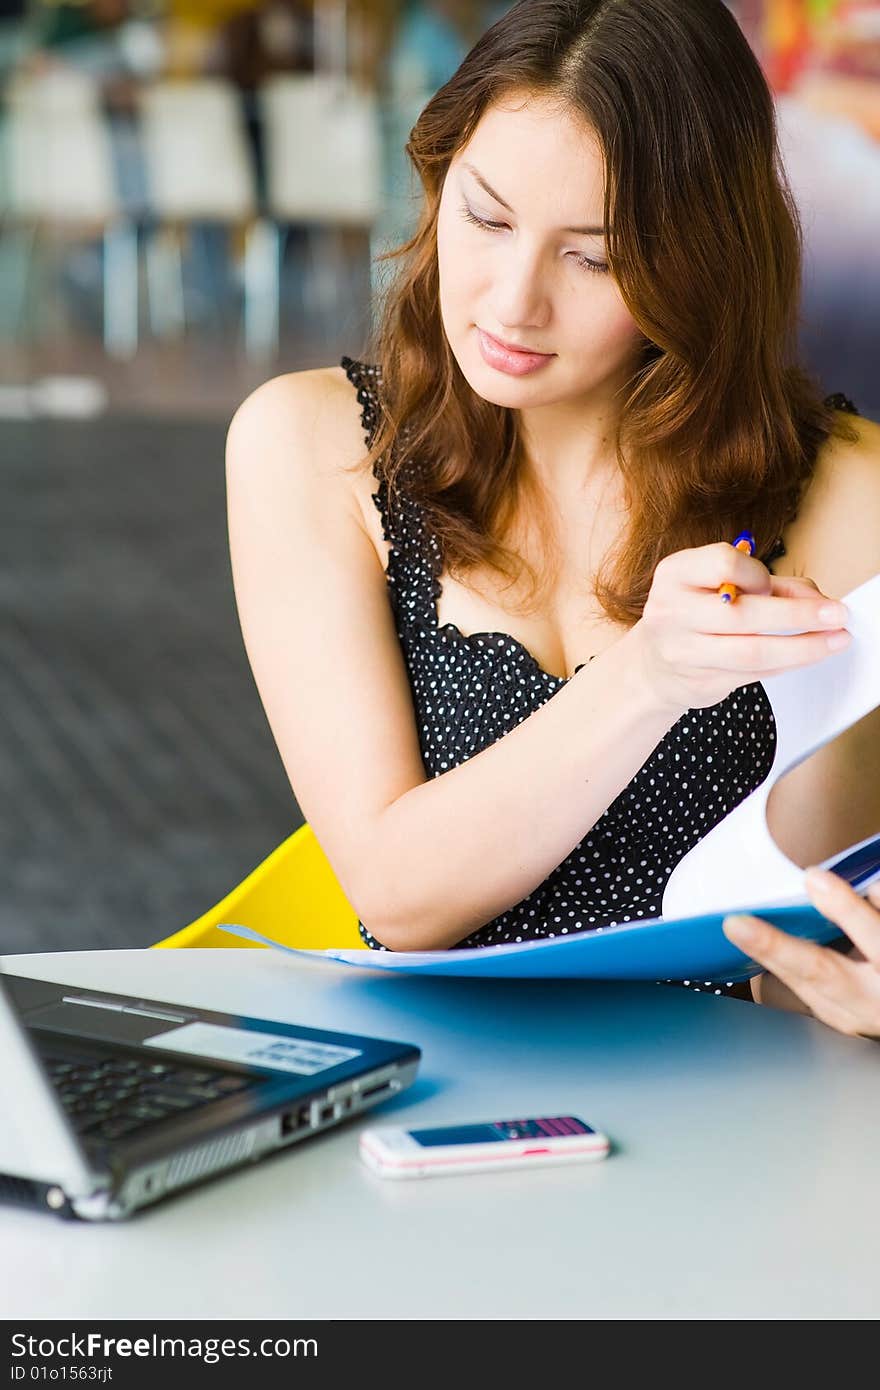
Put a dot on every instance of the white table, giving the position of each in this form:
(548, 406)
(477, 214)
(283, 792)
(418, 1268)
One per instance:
(743, 1185)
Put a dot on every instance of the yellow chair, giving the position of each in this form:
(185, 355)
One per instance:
(293, 897)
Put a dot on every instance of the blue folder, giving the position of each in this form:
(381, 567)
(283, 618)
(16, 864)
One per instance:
(689, 948)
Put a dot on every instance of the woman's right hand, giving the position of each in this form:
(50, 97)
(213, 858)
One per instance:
(693, 649)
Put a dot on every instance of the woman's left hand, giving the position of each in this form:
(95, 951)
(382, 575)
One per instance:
(842, 990)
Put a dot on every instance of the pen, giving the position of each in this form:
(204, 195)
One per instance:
(744, 541)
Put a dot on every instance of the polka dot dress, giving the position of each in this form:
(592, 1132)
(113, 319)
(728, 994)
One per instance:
(469, 691)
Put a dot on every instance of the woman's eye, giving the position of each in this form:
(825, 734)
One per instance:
(480, 221)
(596, 267)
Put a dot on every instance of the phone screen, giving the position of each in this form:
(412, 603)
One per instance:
(553, 1127)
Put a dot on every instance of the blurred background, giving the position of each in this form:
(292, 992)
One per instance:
(193, 194)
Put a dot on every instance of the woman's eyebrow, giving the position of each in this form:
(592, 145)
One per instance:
(580, 231)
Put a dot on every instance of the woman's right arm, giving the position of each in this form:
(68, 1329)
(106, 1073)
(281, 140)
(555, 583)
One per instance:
(424, 862)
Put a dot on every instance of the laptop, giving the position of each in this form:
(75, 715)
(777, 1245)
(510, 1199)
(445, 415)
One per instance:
(111, 1102)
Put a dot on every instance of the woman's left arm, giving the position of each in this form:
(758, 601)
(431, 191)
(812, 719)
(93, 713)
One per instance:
(840, 989)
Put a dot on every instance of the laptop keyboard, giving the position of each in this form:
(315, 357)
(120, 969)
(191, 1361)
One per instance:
(109, 1098)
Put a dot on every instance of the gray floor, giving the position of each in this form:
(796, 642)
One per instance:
(140, 779)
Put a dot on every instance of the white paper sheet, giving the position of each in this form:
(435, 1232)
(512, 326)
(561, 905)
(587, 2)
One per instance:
(738, 863)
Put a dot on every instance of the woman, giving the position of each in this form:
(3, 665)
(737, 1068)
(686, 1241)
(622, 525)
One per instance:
(502, 682)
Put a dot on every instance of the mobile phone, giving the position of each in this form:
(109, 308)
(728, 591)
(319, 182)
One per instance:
(481, 1148)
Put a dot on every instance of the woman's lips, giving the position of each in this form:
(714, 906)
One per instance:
(509, 360)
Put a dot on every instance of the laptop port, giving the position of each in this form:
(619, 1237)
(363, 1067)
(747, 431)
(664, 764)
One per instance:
(383, 1088)
(325, 1114)
(293, 1120)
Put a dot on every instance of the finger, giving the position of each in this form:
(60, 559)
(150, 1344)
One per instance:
(773, 946)
(710, 566)
(759, 613)
(826, 981)
(799, 964)
(804, 588)
(794, 586)
(846, 908)
(755, 656)
(801, 610)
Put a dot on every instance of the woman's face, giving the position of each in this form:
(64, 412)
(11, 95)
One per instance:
(527, 278)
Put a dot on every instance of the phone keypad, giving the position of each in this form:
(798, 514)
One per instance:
(552, 1126)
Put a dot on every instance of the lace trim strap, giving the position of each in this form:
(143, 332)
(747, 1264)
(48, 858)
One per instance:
(402, 523)
(841, 402)
(362, 376)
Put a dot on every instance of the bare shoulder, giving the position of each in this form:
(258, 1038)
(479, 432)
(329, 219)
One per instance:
(851, 463)
(835, 539)
(309, 420)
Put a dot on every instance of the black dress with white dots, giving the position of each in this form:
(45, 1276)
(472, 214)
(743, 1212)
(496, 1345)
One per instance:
(470, 690)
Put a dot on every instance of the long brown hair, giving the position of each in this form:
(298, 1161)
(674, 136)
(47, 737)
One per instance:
(719, 426)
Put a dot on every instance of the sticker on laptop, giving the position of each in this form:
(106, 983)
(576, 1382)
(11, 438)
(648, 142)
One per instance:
(304, 1056)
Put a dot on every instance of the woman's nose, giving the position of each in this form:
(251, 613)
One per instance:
(521, 295)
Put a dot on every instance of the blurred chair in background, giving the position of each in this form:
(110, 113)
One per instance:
(199, 170)
(324, 173)
(257, 43)
(61, 184)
